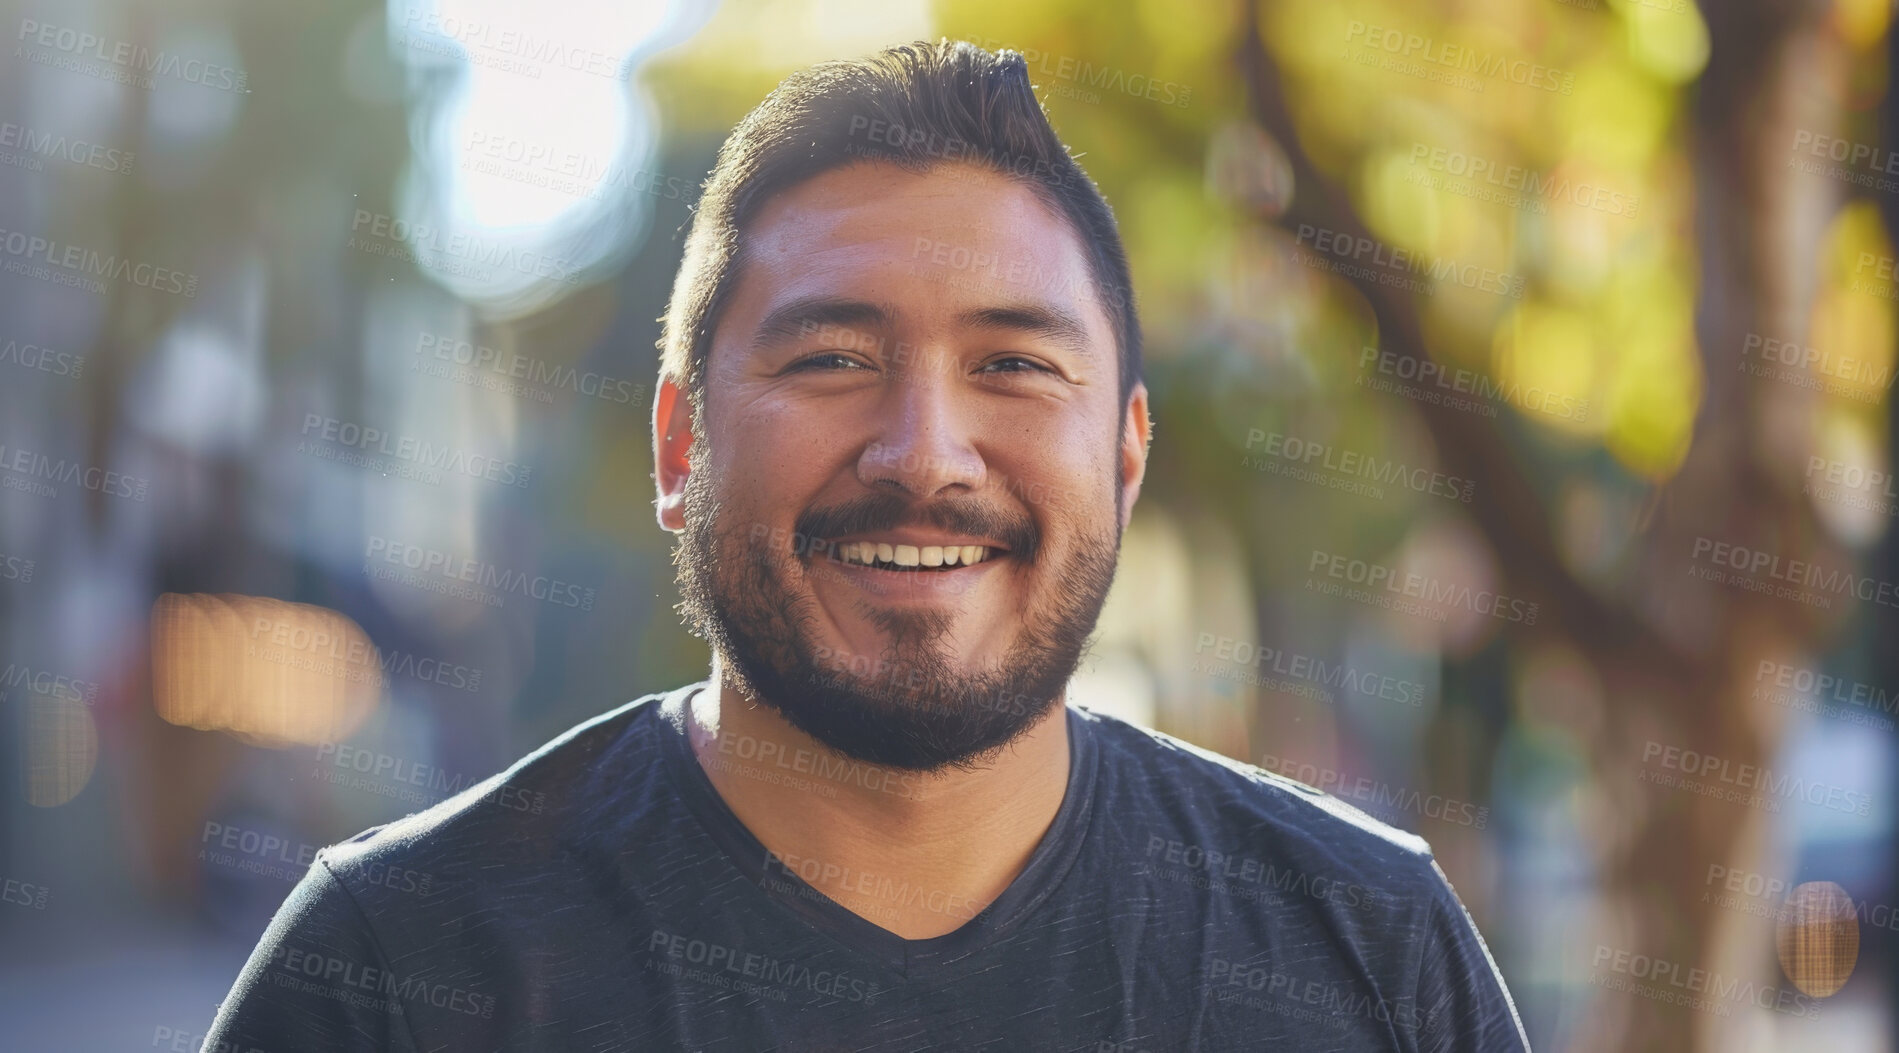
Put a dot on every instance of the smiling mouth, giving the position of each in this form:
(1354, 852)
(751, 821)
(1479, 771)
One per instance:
(919, 558)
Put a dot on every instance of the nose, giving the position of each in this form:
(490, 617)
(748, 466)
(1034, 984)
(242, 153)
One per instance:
(923, 444)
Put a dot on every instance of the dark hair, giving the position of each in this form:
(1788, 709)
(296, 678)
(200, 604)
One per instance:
(915, 105)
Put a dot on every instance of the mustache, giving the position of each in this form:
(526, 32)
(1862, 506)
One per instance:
(876, 512)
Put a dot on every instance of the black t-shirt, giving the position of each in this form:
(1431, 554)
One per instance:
(599, 895)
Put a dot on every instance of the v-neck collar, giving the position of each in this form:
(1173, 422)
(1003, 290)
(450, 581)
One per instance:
(1050, 862)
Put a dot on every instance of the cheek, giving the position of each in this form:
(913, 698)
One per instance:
(1062, 481)
(761, 451)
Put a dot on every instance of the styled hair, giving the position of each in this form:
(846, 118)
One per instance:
(914, 105)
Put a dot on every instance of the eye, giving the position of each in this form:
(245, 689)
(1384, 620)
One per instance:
(824, 362)
(1015, 364)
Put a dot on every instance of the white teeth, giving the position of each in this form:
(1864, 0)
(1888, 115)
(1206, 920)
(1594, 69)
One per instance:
(872, 552)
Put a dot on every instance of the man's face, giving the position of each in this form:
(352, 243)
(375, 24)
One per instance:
(912, 367)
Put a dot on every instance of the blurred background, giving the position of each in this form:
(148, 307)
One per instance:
(1522, 472)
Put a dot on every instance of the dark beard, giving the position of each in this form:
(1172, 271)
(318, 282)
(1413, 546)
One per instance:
(906, 708)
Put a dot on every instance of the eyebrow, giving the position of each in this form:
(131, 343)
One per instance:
(1043, 320)
(795, 320)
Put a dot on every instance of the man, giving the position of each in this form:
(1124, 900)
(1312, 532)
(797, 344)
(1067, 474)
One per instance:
(900, 429)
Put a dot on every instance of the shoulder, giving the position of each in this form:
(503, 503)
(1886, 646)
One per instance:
(1272, 855)
(1205, 810)
(524, 813)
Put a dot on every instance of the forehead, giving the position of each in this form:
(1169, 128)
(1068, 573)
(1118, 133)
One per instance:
(931, 243)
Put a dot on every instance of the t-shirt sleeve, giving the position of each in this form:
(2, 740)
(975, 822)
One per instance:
(1463, 1005)
(316, 981)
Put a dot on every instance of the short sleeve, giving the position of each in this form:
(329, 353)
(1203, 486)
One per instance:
(1463, 1005)
(316, 981)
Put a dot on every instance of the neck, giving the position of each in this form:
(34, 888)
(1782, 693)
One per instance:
(854, 830)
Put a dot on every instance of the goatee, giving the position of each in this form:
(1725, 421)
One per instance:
(908, 708)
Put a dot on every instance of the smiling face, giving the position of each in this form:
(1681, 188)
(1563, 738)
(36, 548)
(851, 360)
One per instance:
(904, 520)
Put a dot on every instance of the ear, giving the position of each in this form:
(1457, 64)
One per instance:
(1135, 434)
(672, 438)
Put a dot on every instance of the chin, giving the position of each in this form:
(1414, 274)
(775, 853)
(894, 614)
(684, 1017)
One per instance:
(907, 720)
